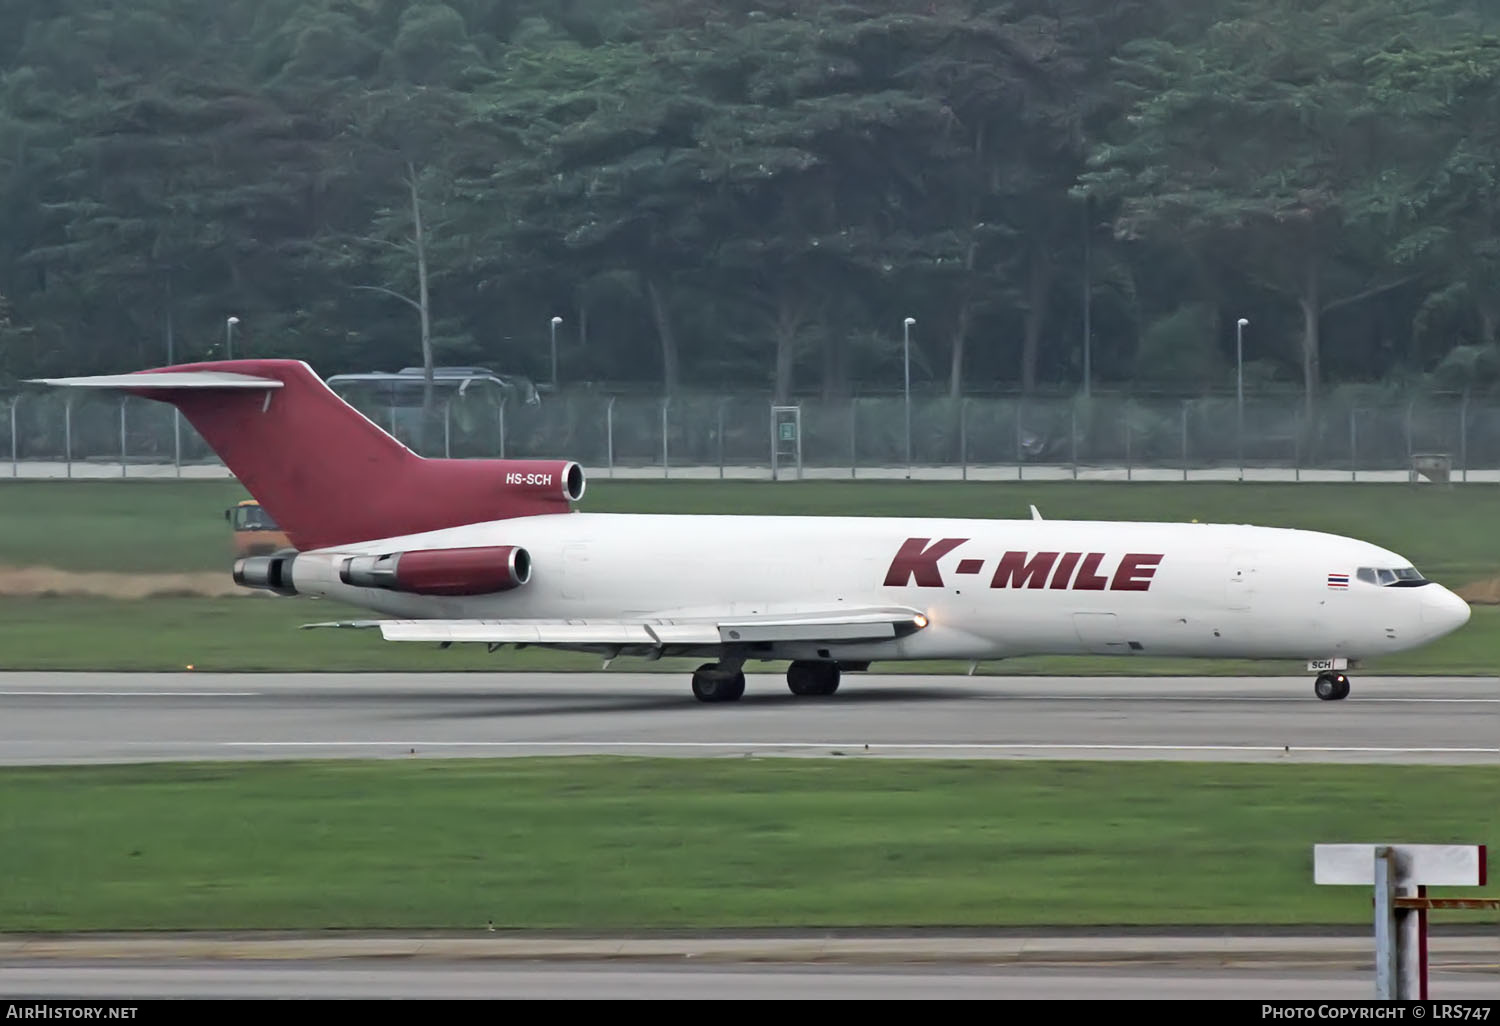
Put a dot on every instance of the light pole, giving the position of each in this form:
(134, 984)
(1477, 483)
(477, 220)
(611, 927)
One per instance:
(555, 322)
(1239, 390)
(1088, 293)
(229, 337)
(906, 364)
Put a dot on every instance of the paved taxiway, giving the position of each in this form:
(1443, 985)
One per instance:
(594, 982)
(114, 717)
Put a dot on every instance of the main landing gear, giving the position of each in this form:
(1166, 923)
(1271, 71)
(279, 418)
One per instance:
(725, 682)
(1331, 686)
(715, 682)
(809, 677)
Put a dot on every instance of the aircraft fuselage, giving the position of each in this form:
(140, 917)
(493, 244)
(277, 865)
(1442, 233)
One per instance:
(990, 588)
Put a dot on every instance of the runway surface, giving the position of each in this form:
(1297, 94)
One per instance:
(604, 981)
(117, 717)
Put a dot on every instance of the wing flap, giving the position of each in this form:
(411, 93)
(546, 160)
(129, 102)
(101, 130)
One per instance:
(850, 625)
(517, 632)
(685, 633)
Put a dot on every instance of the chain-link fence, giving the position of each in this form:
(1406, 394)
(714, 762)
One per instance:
(52, 433)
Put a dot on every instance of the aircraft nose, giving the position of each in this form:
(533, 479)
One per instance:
(1442, 610)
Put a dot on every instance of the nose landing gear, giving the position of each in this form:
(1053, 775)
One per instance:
(1331, 686)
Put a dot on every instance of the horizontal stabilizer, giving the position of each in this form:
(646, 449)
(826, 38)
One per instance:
(163, 379)
(844, 625)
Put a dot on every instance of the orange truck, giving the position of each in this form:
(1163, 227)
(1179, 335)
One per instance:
(255, 533)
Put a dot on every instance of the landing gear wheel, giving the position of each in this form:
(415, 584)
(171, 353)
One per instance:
(809, 677)
(712, 684)
(1331, 687)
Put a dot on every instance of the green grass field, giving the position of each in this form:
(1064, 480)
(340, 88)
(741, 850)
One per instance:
(126, 526)
(154, 528)
(637, 843)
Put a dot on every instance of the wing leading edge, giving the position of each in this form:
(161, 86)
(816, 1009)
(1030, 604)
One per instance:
(173, 380)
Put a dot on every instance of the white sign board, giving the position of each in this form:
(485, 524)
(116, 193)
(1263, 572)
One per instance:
(1424, 865)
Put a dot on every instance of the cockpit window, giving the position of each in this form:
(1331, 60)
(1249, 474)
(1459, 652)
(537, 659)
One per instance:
(1405, 577)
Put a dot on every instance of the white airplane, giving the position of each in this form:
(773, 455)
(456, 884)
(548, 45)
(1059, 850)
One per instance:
(492, 551)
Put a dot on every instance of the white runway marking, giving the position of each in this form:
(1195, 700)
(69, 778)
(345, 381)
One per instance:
(1105, 696)
(130, 694)
(861, 745)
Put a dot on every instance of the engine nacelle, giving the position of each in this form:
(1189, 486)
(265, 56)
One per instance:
(475, 571)
(269, 573)
(560, 481)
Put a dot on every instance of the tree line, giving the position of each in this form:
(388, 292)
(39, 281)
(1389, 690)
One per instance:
(759, 193)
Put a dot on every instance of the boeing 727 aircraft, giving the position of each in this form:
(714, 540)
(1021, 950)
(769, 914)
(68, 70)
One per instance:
(493, 552)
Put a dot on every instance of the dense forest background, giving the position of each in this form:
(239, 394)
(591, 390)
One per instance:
(726, 194)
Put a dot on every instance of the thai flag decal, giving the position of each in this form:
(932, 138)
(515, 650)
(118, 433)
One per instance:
(1338, 580)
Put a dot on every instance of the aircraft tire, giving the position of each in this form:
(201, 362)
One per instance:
(1331, 687)
(711, 684)
(811, 677)
(737, 687)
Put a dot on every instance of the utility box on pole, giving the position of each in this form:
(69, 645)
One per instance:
(786, 439)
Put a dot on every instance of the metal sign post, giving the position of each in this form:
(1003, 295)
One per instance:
(1387, 966)
(1400, 875)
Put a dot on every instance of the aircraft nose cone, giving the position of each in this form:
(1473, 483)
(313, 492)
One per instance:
(1442, 610)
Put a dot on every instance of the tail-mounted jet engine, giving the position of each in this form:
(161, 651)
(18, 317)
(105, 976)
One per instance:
(473, 571)
(482, 570)
(270, 573)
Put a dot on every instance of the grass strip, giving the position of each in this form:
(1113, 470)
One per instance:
(614, 843)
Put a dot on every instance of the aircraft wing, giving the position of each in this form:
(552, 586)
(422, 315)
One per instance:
(653, 635)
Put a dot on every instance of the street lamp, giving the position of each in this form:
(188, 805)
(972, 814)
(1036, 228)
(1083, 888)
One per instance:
(229, 337)
(906, 363)
(1239, 389)
(555, 322)
(1088, 293)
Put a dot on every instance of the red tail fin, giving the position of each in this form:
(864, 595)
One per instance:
(329, 476)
